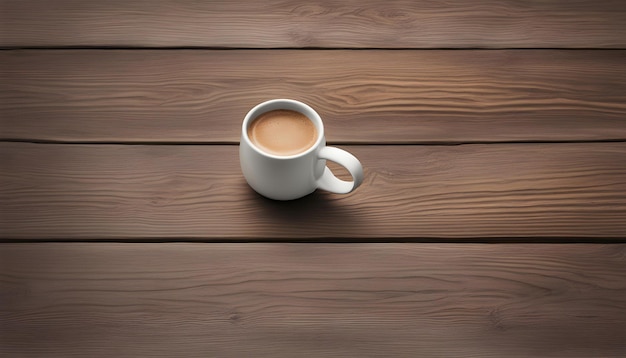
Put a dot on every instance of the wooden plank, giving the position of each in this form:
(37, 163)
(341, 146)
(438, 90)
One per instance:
(278, 23)
(567, 190)
(312, 300)
(364, 96)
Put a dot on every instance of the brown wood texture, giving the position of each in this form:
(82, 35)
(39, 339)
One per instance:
(363, 96)
(312, 300)
(446, 104)
(279, 23)
(567, 190)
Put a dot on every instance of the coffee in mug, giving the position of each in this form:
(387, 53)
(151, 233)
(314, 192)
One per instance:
(282, 132)
(283, 152)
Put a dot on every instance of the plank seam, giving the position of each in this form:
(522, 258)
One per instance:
(408, 240)
(378, 143)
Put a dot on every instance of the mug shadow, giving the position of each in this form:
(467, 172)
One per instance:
(317, 215)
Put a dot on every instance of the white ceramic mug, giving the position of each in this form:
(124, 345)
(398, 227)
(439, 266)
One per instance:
(294, 176)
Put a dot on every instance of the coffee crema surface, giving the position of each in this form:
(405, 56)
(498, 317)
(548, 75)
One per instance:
(282, 132)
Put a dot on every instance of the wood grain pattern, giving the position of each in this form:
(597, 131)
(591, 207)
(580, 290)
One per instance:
(364, 96)
(279, 23)
(469, 191)
(312, 300)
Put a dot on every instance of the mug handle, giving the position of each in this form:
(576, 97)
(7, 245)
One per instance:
(329, 181)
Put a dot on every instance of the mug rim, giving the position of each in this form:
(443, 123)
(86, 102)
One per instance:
(258, 110)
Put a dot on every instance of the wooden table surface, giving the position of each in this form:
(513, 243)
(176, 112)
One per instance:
(491, 222)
